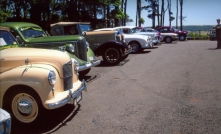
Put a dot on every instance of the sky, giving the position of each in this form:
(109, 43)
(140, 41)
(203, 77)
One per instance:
(197, 12)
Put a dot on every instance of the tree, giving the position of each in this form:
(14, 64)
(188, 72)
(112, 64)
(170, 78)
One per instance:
(181, 14)
(152, 10)
(138, 12)
(141, 21)
(177, 14)
(171, 18)
(4, 16)
(162, 13)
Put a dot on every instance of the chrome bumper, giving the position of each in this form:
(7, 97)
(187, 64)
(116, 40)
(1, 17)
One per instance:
(127, 51)
(84, 67)
(70, 98)
(95, 62)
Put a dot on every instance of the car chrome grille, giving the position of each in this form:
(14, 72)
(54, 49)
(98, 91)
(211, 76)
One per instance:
(68, 76)
(82, 49)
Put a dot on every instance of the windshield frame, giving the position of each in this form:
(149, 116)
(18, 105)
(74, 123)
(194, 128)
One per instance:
(32, 32)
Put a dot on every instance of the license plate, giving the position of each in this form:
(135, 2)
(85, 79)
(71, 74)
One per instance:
(91, 58)
(79, 98)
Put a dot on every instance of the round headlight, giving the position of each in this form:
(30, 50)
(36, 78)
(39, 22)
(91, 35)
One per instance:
(52, 77)
(71, 48)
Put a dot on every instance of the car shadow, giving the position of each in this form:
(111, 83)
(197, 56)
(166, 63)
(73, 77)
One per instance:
(213, 49)
(103, 64)
(56, 119)
(87, 78)
(143, 52)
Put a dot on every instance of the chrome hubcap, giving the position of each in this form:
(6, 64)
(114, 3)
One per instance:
(25, 107)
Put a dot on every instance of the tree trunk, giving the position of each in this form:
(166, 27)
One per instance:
(158, 15)
(162, 13)
(169, 11)
(177, 14)
(139, 12)
(181, 14)
(125, 14)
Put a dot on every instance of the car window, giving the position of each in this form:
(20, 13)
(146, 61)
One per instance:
(32, 32)
(70, 30)
(6, 38)
(85, 27)
(164, 30)
(58, 31)
(171, 29)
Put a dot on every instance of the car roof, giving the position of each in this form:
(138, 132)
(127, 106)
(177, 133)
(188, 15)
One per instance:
(126, 27)
(16, 25)
(4, 28)
(68, 23)
(106, 29)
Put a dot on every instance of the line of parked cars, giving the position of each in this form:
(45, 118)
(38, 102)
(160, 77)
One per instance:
(40, 71)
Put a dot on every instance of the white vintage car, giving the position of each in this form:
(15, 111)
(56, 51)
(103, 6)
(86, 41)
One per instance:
(137, 42)
(5, 122)
(135, 31)
(166, 37)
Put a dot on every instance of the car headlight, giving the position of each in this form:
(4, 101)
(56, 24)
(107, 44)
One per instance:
(52, 77)
(76, 64)
(71, 48)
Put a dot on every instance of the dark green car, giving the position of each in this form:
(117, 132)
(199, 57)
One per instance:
(32, 35)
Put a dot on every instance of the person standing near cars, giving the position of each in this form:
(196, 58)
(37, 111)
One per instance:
(218, 36)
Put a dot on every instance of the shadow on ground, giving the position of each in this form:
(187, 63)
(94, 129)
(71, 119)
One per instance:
(53, 122)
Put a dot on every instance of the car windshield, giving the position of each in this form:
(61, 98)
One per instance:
(6, 38)
(32, 32)
(136, 30)
(172, 29)
(85, 27)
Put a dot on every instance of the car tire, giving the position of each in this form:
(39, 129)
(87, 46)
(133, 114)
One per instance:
(112, 56)
(135, 47)
(182, 38)
(23, 95)
(168, 39)
(84, 72)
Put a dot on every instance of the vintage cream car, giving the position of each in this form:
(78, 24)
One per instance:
(35, 81)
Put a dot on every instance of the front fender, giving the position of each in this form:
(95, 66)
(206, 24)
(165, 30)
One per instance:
(33, 76)
(99, 50)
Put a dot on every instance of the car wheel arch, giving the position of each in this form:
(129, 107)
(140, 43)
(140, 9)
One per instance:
(15, 87)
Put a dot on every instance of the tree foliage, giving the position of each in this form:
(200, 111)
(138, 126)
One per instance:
(152, 9)
(45, 12)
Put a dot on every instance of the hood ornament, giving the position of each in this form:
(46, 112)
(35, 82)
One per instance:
(26, 61)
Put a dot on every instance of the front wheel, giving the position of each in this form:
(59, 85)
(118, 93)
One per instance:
(135, 47)
(168, 40)
(112, 56)
(182, 38)
(24, 105)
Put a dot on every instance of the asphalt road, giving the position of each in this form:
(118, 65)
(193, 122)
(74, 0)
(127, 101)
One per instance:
(170, 89)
